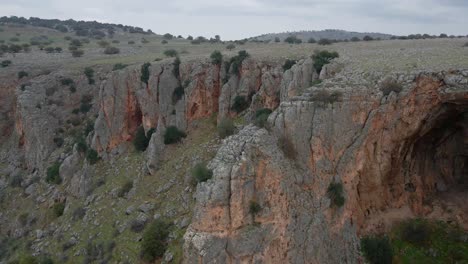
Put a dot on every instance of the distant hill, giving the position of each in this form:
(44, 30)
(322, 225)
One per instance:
(328, 34)
(80, 28)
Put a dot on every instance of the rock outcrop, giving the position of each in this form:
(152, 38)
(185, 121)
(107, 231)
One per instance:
(398, 155)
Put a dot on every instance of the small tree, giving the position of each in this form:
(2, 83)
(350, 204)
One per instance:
(6, 63)
(293, 40)
(173, 135)
(111, 50)
(92, 156)
(325, 41)
(142, 139)
(288, 64)
(128, 185)
(216, 57)
(58, 209)
(240, 104)
(321, 58)
(154, 242)
(226, 127)
(145, 72)
(171, 53)
(277, 40)
(261, 117)
(22, 74)
(119, 66)
(355, 39)
(311, 41)
(377, 250)
(201, 173)
(368, 38)
(89, 72)
(53, 174)
(335, 193)
(254, 208)
(77, 53)
(230, 46)
(168, 36)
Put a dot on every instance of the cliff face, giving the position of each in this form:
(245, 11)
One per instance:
(397, 156)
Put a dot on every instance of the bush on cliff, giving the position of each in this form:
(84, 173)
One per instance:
(128, 185)
(254, 208)
(225, 127)
(322, 58)
(285, 144)
(111, 50)
(89, 72)
(22, 74)
(173, 135)
(53, 174)
(261, 117)
(216, 57)
(171, 53)
(335, 193)
(288, 64)
(201, 173)
(377, 250)
(58, 209)
(145, 72)
(154, 242)
(236, 61)
(92, 156)
(142, 139)
(240, 104)
(390, 85)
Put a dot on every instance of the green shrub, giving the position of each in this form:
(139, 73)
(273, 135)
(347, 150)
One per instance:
(173, 135)
(368, 38)
(293, 40)
(261, 117)
(355, 39)
(322, 58)
(89, 72)
(377, 250)
(236, 61)
(125, 189)
(288, 64)
(49, 49)
(226, 127)
(176, 69)
(311, 41)
(389, 85)
(142, 139)
(201, 173)
(78, 213)
(6, 63)
(67, 81)
(119, 66)
(77, 53)
(168, 36)
(254, 208)
(154, 242)
(416, 232)
(92, 156)
(53, 174)
(335, 194)
(326, 96)
(230, 47)
(325, 41)
(22, 74)
(216, 57)
(240, 104)
(58, 141)
(58, 209)
(137, 226)
(111, 50)
(285, 144)
(177, 94)
(103, 43)
(15, 181)
(28, 259)
(171, 53)
(81, 144)
(145, 74)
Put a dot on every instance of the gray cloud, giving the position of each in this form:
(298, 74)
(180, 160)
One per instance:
(245, 18)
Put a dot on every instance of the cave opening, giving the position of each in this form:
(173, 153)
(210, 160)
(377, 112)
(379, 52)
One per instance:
(435, 161)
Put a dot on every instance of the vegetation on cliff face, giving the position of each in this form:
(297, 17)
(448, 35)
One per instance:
(418, 241)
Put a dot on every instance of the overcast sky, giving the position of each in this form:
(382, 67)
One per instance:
(246, 18)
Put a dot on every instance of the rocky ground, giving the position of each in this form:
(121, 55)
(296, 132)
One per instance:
(386, 122)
